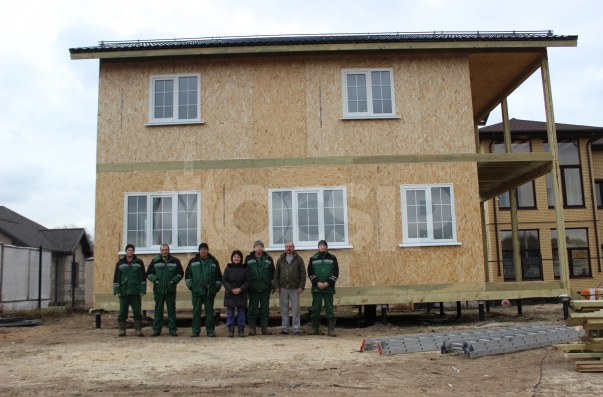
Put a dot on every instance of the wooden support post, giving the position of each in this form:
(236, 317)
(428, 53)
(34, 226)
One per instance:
(383, 314)
(565, 300)
(481, 310)
(512, 196)
(485, 241)
(519, 308)
(477, 145)
(556, 181)
(459, 312)
(488, 306)
(441, 308)
(428, 307)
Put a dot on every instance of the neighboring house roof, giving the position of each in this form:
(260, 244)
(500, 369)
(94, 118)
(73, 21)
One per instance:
(324, 39)
(528, 128)
(27, 233)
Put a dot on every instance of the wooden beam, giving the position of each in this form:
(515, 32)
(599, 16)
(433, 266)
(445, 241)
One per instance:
(477, 142)
(323, 161)
(505, 92)
(482, 211)
(305, 48)
(593, 325)
(556, 180)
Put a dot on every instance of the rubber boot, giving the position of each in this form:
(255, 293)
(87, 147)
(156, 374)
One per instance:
(252, 331)
(315, 327)
(138, 327)
(231, 330)
(264, 328)
(121, 324)
(332, 327)
(242, 331)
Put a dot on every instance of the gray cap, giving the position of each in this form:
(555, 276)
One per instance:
(259, 242)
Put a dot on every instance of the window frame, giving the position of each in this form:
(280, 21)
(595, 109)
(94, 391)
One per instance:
(174, 120)
(150, 248)
(521, 252)
(417, 242)
(369, 95)
(305, 245)
(570, 259)
(519, 206)
(562, 169)
(599, 193)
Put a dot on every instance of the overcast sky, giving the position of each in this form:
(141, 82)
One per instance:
(48, 103)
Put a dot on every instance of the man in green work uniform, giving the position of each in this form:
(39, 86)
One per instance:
(323, 271)
(261, 267)
(165, 272)
(204, 279)
(130, 284)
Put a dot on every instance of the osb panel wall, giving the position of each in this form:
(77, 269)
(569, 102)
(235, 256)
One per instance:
(286, 107)
(543, 219)
(234, 213)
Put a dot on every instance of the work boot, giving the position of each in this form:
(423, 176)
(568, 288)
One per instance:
(138, 327)
(252, 331)
(242, 331)
(231, 330)
(264, 328)
(332, 327)
(315, 327)
(121, 324)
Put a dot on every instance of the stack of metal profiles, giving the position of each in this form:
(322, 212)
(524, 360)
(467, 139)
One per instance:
(6, 320)
(513, 341)
(435, 341)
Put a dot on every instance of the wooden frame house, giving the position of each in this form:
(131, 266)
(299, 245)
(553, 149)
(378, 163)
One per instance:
(368, 141)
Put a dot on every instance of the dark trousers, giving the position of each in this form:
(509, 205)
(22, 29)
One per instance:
(240, 317)
(198, 302)
(126, 301)
(261, 299)
(317, 298)
(170, 301)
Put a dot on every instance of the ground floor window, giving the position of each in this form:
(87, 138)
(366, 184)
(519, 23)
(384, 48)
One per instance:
(152, 219)
(578, 253)
(531, 258)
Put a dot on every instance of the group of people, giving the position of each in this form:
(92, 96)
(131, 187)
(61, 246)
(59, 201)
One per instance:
(248, 283)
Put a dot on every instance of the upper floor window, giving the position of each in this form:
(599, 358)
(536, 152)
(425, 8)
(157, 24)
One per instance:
(428, 214)
(526, 197)
(368, 93)
(174, 98)
(306, 216)
(570, 174)
(599, 193)
(152, 219)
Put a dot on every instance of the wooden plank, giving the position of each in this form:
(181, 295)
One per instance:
(304, 48)
(570, 346)
(582, 304)
(594, 344)
(593, 325)
(583, 355)
(485, 241)
(581, 318)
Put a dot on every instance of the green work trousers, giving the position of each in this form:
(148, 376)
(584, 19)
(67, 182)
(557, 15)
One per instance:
(198, 302)
(317, 298)
(170, 301)
(125, 301)
(263, 300)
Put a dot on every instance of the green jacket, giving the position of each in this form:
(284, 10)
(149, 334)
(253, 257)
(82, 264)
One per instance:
(292, 276)
(167, 272)
(203, 276)
(262, 272)
(323, 268)
(129, 279)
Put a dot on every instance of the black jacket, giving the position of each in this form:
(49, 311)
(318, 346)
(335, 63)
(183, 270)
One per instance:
(236, 277)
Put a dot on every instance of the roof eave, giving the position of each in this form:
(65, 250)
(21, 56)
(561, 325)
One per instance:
(298, 48)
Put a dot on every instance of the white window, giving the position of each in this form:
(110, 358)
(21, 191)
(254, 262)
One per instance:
(152, 219)
(306, 216)
(428, 215)
(174, 99)
(368, 93)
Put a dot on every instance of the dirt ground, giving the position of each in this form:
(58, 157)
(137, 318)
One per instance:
(67, 356)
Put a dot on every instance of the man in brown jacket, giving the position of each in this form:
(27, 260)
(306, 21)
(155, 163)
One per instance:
(289, 282)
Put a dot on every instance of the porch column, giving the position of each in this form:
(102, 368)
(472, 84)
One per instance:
(482, 207)
(556, 181)
(512, 196)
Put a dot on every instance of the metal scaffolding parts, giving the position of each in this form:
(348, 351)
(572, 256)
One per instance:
(475, 343)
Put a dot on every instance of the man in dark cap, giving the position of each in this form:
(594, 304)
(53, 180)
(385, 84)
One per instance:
(261, 268)
(204, 279)
(323, 271)
(130, 284)
(165, 272)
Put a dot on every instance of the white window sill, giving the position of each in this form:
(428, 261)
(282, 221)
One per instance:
(429, 244)
(370, 117)
(313, 248)
(141, 251)
(156, 123)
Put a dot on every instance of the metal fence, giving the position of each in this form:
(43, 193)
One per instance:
(68, 284)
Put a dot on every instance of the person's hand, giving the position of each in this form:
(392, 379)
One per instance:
(300, 290)
(156, 281)
(278, 290)
(171, 282)
(272, 291)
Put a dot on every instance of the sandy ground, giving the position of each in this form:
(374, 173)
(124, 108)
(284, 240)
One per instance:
(68, 357)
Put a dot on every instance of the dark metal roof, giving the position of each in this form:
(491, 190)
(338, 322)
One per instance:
(335, 38)
(538, 128)
(27, 233)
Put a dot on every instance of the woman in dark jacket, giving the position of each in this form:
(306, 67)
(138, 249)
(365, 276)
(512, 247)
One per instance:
(236, 281)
